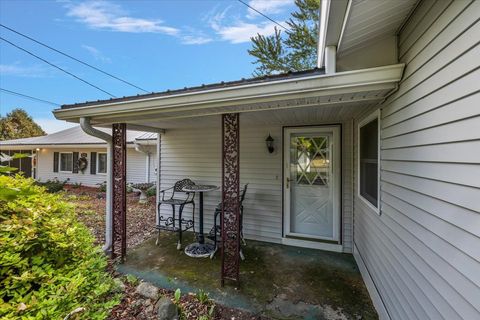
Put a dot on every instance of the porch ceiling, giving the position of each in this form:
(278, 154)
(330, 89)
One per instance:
(285, 117)
(344, 90)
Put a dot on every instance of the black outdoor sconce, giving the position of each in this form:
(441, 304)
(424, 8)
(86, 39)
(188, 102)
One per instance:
(269, 142)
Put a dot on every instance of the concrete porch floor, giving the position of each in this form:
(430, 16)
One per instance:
(276, 281)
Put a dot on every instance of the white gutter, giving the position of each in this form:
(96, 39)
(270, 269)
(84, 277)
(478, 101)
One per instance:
(322, 85)
(330, 59)
(88, 129)
(322, 34)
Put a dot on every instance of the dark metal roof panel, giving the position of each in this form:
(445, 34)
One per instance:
(203, 87)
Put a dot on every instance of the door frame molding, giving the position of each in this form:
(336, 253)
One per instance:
(339, 187)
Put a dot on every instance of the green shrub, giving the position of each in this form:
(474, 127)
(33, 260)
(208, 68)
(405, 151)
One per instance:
(151, 192)
(53, 186)
(102, 187)
(76, 185)
(48, 263)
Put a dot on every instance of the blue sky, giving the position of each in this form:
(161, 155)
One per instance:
(156, 45)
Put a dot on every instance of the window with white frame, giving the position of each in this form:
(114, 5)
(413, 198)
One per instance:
(368, 155)
(66, 161)
(102, 163)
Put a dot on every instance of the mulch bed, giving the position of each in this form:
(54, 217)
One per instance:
(90, 204)
(135, 307)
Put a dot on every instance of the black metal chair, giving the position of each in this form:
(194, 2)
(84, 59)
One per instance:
(174, 224)
(216, 231)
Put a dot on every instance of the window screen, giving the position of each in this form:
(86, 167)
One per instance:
(66, 162)
(102, 163)
(369, 162)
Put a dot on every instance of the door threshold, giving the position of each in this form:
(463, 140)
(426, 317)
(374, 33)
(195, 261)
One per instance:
(312, 244)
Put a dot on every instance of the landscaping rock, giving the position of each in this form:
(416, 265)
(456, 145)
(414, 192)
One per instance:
(149, 309)
(138, 303)
(147, 290)
(166, 309)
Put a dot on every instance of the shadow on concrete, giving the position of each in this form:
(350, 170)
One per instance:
(276, 281)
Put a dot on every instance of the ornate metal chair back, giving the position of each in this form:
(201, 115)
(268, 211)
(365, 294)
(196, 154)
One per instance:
(179, 185)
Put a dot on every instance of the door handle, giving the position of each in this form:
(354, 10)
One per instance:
(288, 182)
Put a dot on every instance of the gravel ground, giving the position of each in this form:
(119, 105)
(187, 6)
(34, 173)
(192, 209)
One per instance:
(90, 206)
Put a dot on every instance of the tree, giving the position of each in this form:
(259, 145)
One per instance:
(18, 124)
(293, 50)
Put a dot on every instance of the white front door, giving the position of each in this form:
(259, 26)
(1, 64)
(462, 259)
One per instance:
(312, 182)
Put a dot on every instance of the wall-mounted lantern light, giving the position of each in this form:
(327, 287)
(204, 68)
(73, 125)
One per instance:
(269, 142)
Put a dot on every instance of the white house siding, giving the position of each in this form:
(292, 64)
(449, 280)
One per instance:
(136, 167)
(423, 251)
(195, 153)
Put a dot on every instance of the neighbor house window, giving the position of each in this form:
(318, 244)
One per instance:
(102, 163)
(369, 159)
(66, 161)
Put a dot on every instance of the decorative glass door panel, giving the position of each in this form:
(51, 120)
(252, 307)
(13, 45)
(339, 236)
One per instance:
(312, 180)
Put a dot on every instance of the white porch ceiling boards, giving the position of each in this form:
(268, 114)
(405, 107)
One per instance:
(311, 115)
(351, 87)
(369, 21)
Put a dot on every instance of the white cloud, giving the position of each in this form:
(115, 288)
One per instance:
(97, 54)
(267, 7)
(242, 31)
(109, 16)
(190, 39)
(52, 125)
(239, 31)
(34, 71)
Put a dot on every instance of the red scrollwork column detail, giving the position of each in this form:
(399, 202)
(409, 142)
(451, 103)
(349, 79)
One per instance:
(119, 180)
(230, 218)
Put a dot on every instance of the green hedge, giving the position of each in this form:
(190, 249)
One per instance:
(48, 263)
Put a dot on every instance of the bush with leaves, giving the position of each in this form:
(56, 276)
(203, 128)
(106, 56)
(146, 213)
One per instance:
(49, 266)
(102, 187)
(152, 191)
(53, 186)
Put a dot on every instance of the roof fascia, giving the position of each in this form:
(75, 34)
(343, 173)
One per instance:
(251, 93)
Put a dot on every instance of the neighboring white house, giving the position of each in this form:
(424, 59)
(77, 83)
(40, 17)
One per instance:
(57, 156)
(377, 154)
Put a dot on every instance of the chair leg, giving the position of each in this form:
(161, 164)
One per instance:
(242, 239)
(158, 234)
(179, 243)
(193, 217)
(241, 255)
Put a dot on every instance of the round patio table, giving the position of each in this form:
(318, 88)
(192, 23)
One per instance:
(200, 249)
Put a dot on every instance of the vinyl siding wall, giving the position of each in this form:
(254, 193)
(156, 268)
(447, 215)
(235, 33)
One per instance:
(423, 251)
(136, 167)
(195, 153)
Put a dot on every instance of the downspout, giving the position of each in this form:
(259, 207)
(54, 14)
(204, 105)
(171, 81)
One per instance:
(88, 129)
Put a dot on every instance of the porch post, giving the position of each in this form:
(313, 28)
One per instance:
(230, 217)
(119, 203)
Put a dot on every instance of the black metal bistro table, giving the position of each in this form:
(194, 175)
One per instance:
(200, 249)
